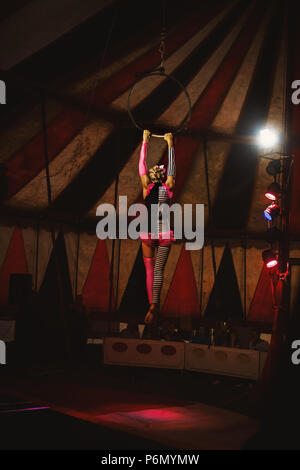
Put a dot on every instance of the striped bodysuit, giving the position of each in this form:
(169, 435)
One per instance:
(159, 236)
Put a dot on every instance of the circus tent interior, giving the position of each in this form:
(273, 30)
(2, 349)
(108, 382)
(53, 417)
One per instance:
(68, 145)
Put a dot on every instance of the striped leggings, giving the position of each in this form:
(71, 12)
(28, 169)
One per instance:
(159, 267)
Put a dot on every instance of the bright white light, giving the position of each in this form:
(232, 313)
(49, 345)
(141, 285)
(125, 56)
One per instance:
(267, 138)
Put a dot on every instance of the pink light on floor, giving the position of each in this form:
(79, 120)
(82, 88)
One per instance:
(158, 414)
(18, 410)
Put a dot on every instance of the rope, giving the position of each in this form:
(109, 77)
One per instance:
(209, 204)
(77, 260)
(201, 272)
(55, 254)
(37, 244)
(102, 59)
(111, 274)
(162, 47)
(245, 277)
(160, 71)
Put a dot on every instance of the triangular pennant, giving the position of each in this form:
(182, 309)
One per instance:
(54, 325)
(96, 290)
(50, 289)
(225, 300)
(5, 237)
(79, 268)
(261, 308)
(182, 298)
(14, 262)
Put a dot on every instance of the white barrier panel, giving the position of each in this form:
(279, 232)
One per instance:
(225, 361)
(148, 353)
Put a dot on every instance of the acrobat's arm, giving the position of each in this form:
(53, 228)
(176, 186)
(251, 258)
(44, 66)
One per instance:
(143, 156)
(171, 170)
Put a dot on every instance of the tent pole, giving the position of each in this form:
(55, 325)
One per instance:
(245, 278)
(201, 280)
(111, 274)
(77, 261)
(57, 265)
(37, 243)
(209, 205)
(118, 272)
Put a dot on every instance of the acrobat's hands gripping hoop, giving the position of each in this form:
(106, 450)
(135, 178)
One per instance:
(162, 74)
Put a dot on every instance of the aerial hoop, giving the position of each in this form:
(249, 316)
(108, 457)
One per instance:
(162, 74)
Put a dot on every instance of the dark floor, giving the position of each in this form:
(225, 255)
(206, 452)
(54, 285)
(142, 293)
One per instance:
(28, 426)
(221, 391)
(48, 429)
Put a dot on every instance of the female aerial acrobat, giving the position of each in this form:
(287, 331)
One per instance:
(157, 189)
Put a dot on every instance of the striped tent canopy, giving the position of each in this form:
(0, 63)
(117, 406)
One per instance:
(68, 70)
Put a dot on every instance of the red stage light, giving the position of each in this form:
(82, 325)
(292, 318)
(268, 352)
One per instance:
(271, 211)
(273, 191)
(272, 263)
(269, 259)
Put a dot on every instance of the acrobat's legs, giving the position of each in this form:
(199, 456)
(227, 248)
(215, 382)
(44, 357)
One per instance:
(159, 267)
(148, 256)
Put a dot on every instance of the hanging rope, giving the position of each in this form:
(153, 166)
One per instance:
(102, 59)
(209, 204)
(37, 245)
(55, 254)
(200, 278)
(162, 46)
(111, 273)
(77, 260)
(160, 71)
(245, 276)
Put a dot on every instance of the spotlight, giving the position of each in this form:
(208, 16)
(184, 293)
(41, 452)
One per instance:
(273, 191)
(267, 138)
(274, 167)
(269, 259)
(271, 212)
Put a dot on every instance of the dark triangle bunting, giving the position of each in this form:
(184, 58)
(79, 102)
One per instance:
(54, 297)
(14, 263)
(225, 301)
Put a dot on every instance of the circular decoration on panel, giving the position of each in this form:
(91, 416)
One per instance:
(243, 358)
(199, 353)
(220, 356)
(144, 348)
(120, 347)
(168, 350)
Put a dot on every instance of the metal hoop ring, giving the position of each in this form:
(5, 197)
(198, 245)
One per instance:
(162, 74)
